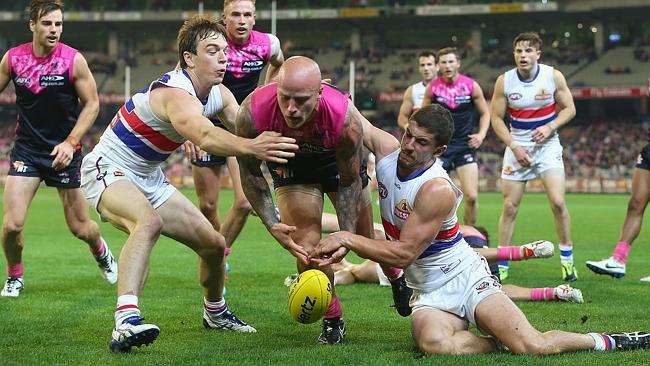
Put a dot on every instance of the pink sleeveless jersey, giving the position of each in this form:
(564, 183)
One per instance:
(45, 95)
(245, 64)
(323, 132)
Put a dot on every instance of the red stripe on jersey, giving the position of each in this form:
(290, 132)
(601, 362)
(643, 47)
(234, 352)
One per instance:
(156, 138)
(531, 113)
(392, 230)
(449, 233)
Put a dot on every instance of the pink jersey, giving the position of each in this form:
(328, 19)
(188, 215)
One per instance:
(45, 95)
(322, 133)
(245, 64)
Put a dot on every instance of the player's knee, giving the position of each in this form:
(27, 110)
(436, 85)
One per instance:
(150, 225)
(215, 248)
(437, 344)
(558, 206)
(471, 198)
(510, 209)
(208, 206)
(12, 227)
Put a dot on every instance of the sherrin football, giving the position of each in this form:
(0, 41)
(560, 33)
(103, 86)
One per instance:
(310, 295)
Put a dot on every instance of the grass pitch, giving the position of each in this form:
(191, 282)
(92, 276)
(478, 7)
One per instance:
(65, 314)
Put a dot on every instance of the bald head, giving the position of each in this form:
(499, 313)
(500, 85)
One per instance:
(299, 90)
(299, 73)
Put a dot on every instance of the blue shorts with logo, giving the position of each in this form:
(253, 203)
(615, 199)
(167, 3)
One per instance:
(456, 156)
(26, 162)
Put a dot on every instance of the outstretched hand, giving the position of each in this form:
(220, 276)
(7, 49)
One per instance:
(282, 233)
(331, 249)
(272, 146)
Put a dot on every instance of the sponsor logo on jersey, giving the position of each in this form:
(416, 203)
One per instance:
(248, 66)
(311, 148)
(514, 96)
(23, 80)
(543, 94)
(383, 192)
(402, 209)
(118, 173)
(463, 99)
(51, 80)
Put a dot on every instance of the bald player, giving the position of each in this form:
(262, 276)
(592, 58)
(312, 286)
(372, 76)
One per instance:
(327, 128)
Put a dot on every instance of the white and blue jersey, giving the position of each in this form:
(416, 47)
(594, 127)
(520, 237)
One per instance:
(531, 104)
(448, 254)
(141, 140)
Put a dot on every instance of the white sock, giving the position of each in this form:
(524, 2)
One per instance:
(566, 252)
(214, 307)
(127, 306)
(603, 341)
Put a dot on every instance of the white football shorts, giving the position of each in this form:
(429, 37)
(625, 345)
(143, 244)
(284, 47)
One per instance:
(545, 157)
(98, 172)
(462, 294)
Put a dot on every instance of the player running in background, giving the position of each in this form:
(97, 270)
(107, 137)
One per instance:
(463, 97)
(123, 179)
(537, 101)
(615, 265)
(414, 94)
(452, 285)
(249, 51)
(50, 79)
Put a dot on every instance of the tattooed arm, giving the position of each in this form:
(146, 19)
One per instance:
(348, 161)
(257, 189)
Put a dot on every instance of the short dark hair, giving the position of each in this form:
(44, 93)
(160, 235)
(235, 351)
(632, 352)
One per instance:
(194, 30)
(437, 120)
(448, 51)
(532, 38)
(38, 8)
(427, 54)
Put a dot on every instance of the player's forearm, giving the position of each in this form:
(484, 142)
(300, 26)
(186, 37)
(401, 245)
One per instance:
(563, 117)
(484, 124)
(391, 253)
(85, 120)
(501, 130)
(258, 194)
(347, 200)
(218, 141)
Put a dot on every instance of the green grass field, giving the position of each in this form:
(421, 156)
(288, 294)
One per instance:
(65, 314)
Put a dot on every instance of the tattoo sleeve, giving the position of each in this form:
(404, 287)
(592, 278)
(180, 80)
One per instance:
(348, 160)
(254, 184)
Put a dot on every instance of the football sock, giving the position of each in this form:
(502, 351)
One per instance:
(542, 294)
(15, 271)
(509, 253)
(334, 310)
(392, 273)
(214, 308)
(566, 252)
(603, 342)
(621, 252)
(100, 249)
(127, 306)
